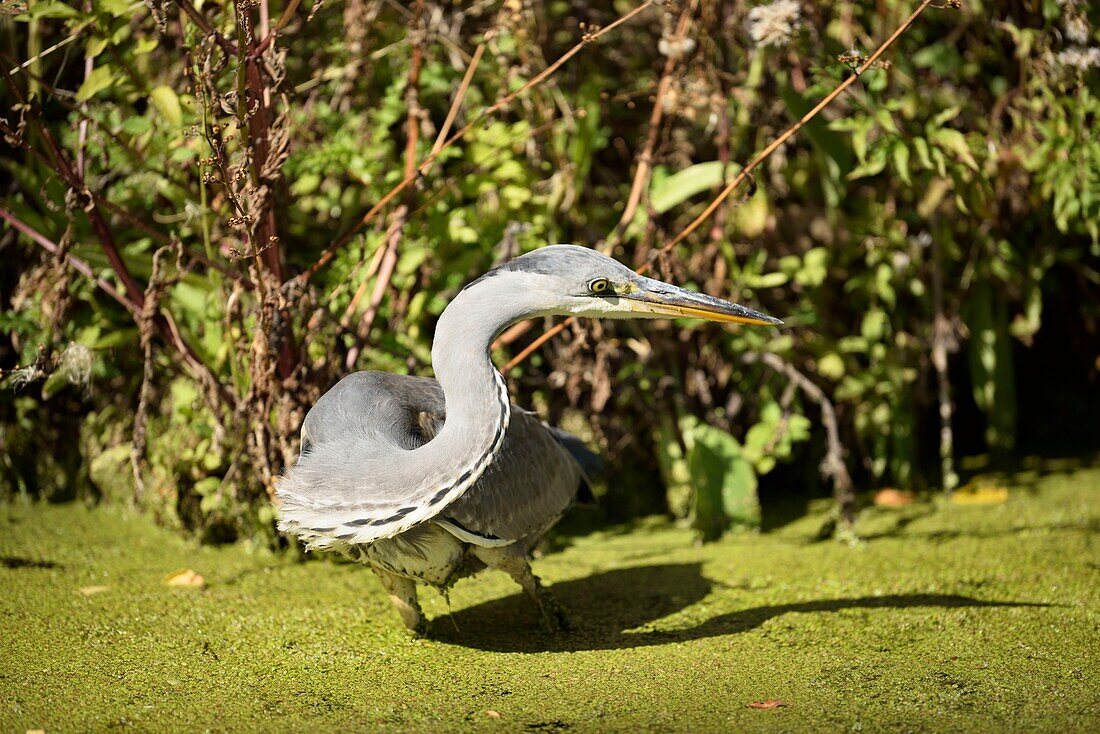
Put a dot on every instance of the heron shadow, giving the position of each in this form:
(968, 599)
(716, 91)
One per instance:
(612, 610)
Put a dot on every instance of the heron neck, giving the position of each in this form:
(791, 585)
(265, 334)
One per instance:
(472, 387)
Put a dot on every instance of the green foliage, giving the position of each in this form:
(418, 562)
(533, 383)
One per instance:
(972, 162)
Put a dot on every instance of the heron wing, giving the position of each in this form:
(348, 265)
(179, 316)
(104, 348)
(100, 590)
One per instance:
(400, 410)
(536, 475)
(526, 489)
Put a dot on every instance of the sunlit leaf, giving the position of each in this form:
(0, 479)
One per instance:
(101, 78)
(682, 185)
(725, 483)
(167, 104)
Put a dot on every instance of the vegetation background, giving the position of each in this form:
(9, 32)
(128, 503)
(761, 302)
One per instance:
(213, 210)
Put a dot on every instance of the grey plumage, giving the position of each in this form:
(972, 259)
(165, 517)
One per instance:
(504, 504)
(429, 481)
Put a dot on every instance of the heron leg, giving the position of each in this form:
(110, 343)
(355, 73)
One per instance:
(402, 593)
(512, 560)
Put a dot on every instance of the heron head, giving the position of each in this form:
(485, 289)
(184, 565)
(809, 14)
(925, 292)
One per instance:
(567, 279)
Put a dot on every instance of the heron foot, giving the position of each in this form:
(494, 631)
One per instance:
(553, 614)
(512, 559)
(402, 592)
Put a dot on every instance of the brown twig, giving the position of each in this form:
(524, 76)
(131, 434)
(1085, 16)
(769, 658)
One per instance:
(456, 105)
(588, 38)
(77, 264)
(790, 132)
(645, 158)
(400, 215)
(269, 38)
(204, 25)
(746, 172)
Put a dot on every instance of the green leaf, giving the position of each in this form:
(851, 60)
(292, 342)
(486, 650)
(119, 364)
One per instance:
(682, 185)
(921, 146)
(95, 47)
(860, 127)
(831, 366)
(136, 125)
(145, 45)
(101, 78)
(814, 267)
(114, 8)
(823, 137)
(954, 141)
(798, 427)
(871, 168)
(168, 104)
(51, 9)
(207, 486)
(725, 483)
(767, 280)
(54, 384)
(946, 116)
(874, 325)
(901, 161)
(305, 184)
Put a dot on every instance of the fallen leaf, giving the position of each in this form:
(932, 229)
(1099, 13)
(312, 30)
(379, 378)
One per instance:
(771, 703)
(492, 714)
(980, 493)
(89, 590)
(185, 577)
(891, 497)
(36, 731)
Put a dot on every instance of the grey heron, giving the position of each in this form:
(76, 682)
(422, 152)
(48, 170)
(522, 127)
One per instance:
(431, 480)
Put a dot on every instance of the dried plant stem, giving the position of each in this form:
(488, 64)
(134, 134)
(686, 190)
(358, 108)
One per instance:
(146, 326)
(200, 20)
(284, 19)
(588, 38)
(385, 274)
(456, 105)
(35, 58)
(645, 158)
(941, 336)
(412, 137)
(833, 467)
(75, 262)
(353, 305)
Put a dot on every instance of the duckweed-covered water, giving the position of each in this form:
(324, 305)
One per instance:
(948, 618)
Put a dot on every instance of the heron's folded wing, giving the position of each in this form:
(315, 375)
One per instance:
(365, 421)
(368, 416)
(529, 485)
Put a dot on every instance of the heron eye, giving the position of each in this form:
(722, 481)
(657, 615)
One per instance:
(599, 285)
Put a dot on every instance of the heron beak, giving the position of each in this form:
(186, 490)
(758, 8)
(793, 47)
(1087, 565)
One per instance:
(656, 298)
